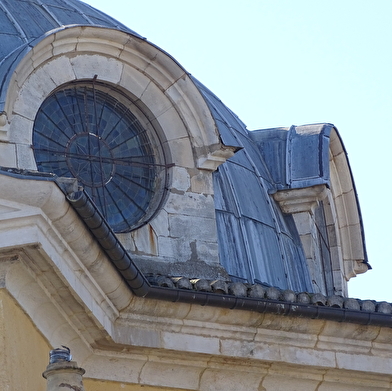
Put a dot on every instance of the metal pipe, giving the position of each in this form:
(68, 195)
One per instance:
(62, 372)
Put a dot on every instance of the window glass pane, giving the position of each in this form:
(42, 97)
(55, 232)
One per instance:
(85, 133)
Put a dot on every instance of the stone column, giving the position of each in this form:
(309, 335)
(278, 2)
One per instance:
(62, 374)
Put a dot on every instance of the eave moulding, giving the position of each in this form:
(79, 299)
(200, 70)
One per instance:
(40, 226)
(300, 200)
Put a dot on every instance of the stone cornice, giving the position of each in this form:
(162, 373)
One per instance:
(300, 200)
(198, 339)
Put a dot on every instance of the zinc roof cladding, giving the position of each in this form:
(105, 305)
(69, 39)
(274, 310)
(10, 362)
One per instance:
(261, 243)
(25, 22)
(31, 19)
(298, 156)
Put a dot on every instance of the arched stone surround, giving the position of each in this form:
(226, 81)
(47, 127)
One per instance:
(184, 229)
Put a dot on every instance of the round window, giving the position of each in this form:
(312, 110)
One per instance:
(88, 132)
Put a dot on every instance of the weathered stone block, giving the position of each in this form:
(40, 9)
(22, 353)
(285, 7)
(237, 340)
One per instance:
(25, 157)
(191, 204)
(215, 380)
(59, 70)
(87, 66)
(338, 386)
(145, 240)
(181, 151)
(155, 100)
(172, 126)
(190, 343)
(135, 81)
(160, 223)
(174, 249)
(181, 179)
(308, 357)
(191, 228)
(170, 375)
(32, 94)
(7, 155)
(362, 362)
(111, 49)
(202, 183)
(303, 222)
(208, 252)
(285, 383)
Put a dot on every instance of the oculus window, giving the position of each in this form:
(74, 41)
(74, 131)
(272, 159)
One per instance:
(97, 135)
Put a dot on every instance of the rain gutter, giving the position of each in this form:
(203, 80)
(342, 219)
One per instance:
(140, 286)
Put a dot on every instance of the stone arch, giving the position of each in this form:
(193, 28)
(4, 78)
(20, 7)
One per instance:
(348, 220)
(172, 104)
(154, 79)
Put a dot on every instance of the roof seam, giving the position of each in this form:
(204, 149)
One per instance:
(83, 14)
(13, 21)
(50, 13)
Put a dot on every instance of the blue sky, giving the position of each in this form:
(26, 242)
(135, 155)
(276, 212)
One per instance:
(284, 62)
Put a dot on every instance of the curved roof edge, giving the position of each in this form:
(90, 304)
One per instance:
(45, 18)
(347, 161)
(9, 64)
(237, 296)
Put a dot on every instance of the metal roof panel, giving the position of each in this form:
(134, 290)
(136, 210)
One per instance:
(32, 19)
(297, 157)
(24, 22)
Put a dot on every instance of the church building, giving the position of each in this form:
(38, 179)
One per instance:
(144, 228)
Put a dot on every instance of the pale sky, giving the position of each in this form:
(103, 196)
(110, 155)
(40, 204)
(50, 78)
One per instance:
(293, 62)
